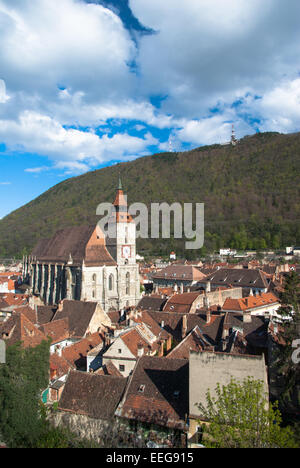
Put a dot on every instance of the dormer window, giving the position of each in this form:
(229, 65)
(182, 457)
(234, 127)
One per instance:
(141, 388)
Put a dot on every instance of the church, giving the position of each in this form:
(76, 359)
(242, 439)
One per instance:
(82, 263)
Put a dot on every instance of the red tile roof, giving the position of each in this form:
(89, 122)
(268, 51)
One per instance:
(181, 303)
(250, 302)
(58, 330)
(19, 329)
(76, 354)
(157, 393)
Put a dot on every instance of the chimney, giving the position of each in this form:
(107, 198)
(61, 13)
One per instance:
(140, 350)
(208, 315)
(175, 288)
(247, 317)
(161, 349)
(181, 288)
(208, 287)
(60, 305)
(184, 326)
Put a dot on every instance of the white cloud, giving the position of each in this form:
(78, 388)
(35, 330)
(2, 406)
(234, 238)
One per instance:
(280, 107)
(215, 129)
(207, 51)
(68, 147)
(64, 42)
(65, 72)
(37, 170)
(3, 95)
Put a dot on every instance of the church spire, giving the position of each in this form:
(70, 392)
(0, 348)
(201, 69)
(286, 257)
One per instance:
(120, 187)
(120, 205)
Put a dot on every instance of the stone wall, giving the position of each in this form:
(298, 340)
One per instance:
(83, 426)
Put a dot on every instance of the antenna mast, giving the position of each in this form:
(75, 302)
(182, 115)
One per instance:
(233, 137)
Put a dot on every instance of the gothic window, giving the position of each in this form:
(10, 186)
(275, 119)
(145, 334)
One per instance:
(127, 283)
(94, 286)
(111, 282)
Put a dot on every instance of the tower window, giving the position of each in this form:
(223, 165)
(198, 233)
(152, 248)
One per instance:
(127, 283)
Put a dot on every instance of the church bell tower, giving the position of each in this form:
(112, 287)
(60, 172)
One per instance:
(122, 244)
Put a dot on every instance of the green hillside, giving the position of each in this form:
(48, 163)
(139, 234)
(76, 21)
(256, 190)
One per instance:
(251, 195)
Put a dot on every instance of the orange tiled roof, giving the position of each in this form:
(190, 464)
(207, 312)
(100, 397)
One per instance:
(250, 302)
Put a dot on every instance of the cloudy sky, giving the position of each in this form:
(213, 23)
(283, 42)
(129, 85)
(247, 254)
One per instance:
(86, 84)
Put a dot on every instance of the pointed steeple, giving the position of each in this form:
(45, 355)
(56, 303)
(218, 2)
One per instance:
(120, 204)
(120, 183)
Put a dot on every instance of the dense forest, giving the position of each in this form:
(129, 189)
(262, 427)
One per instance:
(250, 191)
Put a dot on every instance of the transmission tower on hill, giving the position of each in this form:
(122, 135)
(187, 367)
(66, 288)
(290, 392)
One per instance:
(234, 141)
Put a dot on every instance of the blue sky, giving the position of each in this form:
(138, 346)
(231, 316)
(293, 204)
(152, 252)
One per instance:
(86, 84)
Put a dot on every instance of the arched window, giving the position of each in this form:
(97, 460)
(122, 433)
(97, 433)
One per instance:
(111, 282)
(128, 283)
(94, 277)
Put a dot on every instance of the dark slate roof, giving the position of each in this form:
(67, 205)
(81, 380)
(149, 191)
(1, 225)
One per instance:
(255, 332)
(96, 396)
(238, 277)
(158, 392)
(79, 314)
(212, 331)
(152, 302)
(194, 341)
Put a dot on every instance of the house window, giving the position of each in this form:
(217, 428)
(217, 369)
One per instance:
(121, 368)
(119, 351)
(199, 435)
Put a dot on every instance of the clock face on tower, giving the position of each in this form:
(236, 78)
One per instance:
(126, 251)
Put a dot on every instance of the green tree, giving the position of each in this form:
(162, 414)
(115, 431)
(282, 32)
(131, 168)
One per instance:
(239, 416)
(286, 367)
(22, 379)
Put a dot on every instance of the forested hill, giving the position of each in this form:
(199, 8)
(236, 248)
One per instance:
(250, 191)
